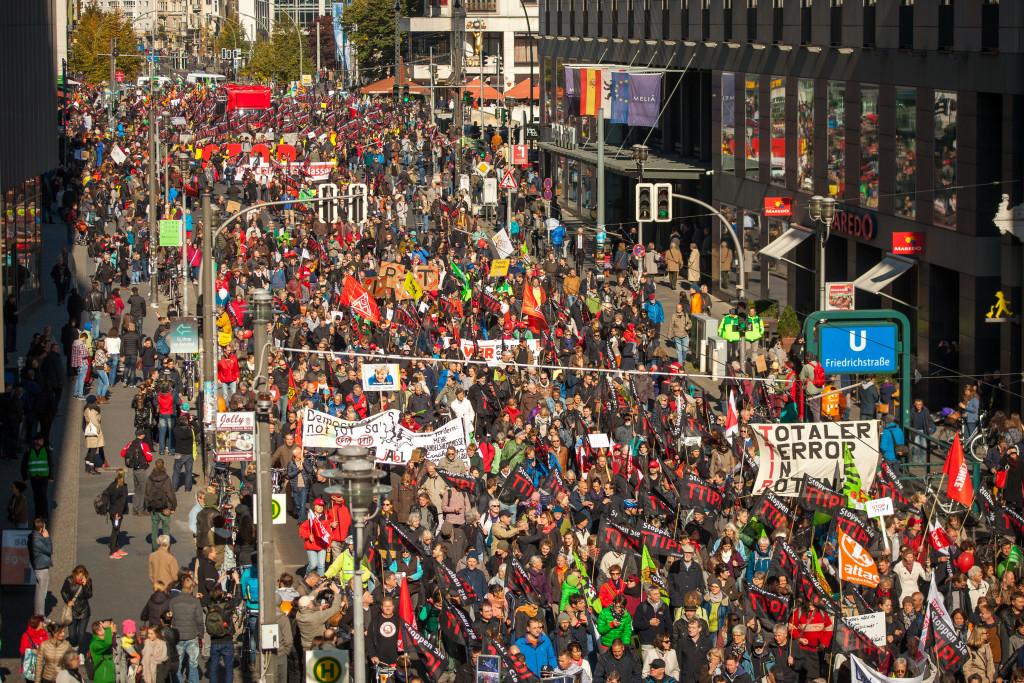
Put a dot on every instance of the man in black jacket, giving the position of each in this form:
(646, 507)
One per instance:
(105, 274)
(94, 304)
(650, 619)
(617, 658)
(692, 651)
(783, 670)
(685, 576)
(136, 309)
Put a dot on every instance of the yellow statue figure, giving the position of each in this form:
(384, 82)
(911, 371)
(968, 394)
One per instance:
(1001, 308)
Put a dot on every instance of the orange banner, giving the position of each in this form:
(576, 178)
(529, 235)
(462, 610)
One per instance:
(855, 564)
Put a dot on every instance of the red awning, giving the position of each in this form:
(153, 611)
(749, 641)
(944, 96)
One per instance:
(521, 91)
(481, 90)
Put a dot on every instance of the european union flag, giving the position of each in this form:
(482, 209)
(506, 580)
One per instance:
(620, 98)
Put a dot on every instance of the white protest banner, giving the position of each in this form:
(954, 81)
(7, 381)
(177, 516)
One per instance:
(790, 452)
(264, 173)
(393, 443)
(862, 673)
(502, 243)
(381, 377)
(117, 155)
(879, 507)
(871, 624)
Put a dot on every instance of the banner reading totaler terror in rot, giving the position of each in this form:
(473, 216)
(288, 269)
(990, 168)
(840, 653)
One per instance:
(789, 452)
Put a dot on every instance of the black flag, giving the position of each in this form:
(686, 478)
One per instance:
(771, 510)
(694, 492)
(819, 497)
(773, 607)
(432, 658)
(848, 639)
(519, 484)
(950, 652)
(461, 482)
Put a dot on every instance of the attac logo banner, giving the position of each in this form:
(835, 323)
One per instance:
(519, 483)
(850, 523)
(818, 497)
(774, 607)
(770, 509)
(432, 658)
(697, 493)
(855, 564)
(790, 452)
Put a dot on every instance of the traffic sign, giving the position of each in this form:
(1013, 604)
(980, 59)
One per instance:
(170, 233)
(519, 155)
(323, 666)
(277, 509)
(638, 251)
(184, 335)
(119, 76)
(858, 349)
(532, 131)
(508, 182)
(547, 183)
(547, 195)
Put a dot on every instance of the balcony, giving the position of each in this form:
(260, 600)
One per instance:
(481, 5)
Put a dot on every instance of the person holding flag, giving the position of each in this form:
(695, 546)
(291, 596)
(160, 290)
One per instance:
(316, 534)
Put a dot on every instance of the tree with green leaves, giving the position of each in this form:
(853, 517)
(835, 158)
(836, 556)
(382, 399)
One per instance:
(232, 36)
(278, 58)
(91, 40)
(370, 24)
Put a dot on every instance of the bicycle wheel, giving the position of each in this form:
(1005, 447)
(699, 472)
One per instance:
(936, 489)
(977, 447)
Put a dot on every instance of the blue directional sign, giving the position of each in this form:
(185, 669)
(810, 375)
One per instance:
(184, 335)
(853, 349)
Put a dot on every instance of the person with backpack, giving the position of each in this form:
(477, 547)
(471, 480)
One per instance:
(167, 403)
(99, 663)
(812, 376)
(113, 502)
(160, 501)
(220, 626)
(137, 456)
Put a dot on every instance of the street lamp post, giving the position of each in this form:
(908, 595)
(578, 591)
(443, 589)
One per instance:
(358, 482)
(533, 83)
(263, 315)
(822, 210)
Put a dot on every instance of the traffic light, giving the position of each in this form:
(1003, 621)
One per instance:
(405, 93)
(742, 318)
(663, 197)
(395, 90)
(644, 202)
(467, 98)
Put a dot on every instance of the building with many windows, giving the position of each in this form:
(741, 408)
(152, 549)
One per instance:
(909, 113)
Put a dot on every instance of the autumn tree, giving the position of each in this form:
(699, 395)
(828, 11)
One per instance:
(91, 43)
(370, 25)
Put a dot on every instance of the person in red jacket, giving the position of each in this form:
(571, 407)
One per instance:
(340, 522)
(613, 586)
(357, 399)
(316, 532)
(227, 373)
(812, 630)
(34, 635)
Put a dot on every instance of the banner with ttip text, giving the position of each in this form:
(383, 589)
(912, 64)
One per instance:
(789, 452)
(855, 564)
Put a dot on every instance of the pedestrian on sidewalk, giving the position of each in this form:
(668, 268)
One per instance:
(40, 555)
(37, 469)
(131, 346)
(76, 593)
(95, 458)
(160, 501)
(101, 368)
(117, 494)
(61, 275)
(185, 435)
(137, 456)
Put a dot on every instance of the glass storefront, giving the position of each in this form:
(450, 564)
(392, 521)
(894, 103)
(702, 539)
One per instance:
(945, 159)
(778, 131)
(906, 152)
(728, 122)
(805, 134)
(752, 122)
(869, 146)
(22, 242)
(836, 138)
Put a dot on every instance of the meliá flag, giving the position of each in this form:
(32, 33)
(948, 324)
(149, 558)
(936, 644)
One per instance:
(644, 99)
(620, 98)
(855, 564)
(359, 300)
(590, 91)
(958, 480)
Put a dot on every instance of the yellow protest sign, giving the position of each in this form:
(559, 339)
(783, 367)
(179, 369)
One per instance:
(412, 287)
(499, 267)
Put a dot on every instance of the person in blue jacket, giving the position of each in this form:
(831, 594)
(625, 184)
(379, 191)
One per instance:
(656, 313)
(892, 436)
(759, 559)
(536, 647)
(557, 237)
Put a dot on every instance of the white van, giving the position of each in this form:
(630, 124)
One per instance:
(200, 77)
(158, 81)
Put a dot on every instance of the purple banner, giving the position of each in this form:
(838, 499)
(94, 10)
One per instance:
(644, 99)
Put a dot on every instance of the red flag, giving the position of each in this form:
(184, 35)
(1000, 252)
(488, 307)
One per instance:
(958, 479)
(355, 295)
(405, 612)
(938, 537)
(533, 299)
(732, 423)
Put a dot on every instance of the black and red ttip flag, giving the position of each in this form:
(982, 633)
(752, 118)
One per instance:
(516, 670)
(694, 492)
(461, 482)
(455, 586)
(519, 483)
(455, 624)
(433, 659)
(771, 510)
(848, 639)
(850, 523)
(819, 497)
(769, 605)
(950, 652)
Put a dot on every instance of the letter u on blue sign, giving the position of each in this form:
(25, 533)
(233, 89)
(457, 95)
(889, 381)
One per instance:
(852, 349)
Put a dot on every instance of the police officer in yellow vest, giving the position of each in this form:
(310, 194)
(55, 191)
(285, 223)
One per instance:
(37, 469)
(755, 326)
(729, 329)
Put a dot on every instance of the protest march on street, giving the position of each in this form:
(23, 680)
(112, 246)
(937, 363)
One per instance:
(571, 498)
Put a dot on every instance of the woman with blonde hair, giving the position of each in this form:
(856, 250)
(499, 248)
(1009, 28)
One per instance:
(980, 659)
(713, 668)
(154, 656)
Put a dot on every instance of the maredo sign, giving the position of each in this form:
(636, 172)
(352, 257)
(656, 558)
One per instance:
(855, 224)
